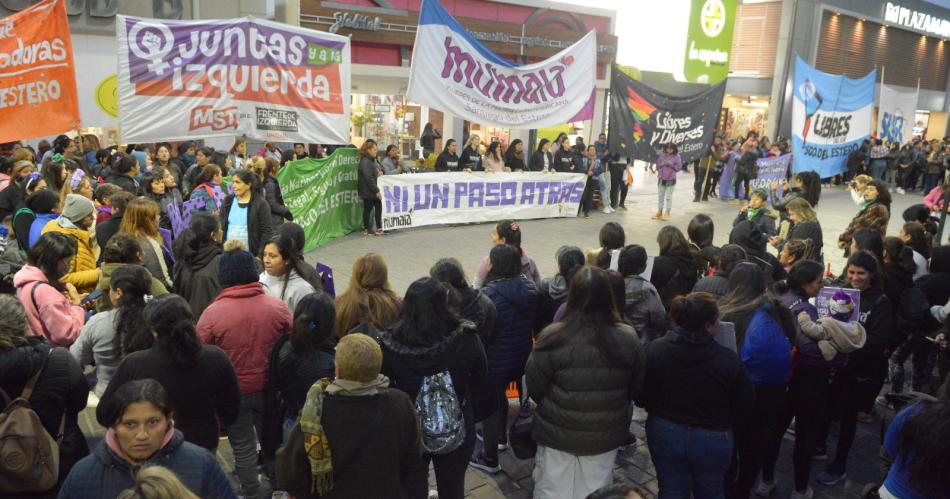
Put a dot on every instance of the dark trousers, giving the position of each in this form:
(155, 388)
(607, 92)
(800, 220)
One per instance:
(806, 399)
(752, 440)
(923, 351)
(376, 207)
(853, 390)
(618, 185)
(495, 426)
(930, 181)
(449, 473)
(744, 193)
(699, 190)
(714, 182)
(587, 200)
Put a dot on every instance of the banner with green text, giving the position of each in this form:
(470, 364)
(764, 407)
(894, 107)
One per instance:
(321, 193)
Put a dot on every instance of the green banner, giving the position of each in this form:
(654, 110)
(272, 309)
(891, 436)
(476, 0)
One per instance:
(321, 193)
(708, 41)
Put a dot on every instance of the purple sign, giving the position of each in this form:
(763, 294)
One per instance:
(825, 296)
(770, 170)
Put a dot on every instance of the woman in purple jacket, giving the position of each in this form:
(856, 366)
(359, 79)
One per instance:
(667, 163)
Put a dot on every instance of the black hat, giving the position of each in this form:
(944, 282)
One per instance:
(236, 266)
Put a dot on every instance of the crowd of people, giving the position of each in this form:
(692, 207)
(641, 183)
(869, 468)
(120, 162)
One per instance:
(225, 329)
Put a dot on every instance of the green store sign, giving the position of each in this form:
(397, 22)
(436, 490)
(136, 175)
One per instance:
(708, 41)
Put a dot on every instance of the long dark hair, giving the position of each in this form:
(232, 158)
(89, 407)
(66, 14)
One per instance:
(198, 234)
(925, 442)
(510, 231)
(249, 178)
(505, 263)
(747, 290)
(314, 320)
(447, 144)
(427, 314)
(919, 240)
(131, 332)
(449, 271)
(671, 240)
(293, 257)
(170, 318)
(135, 391)
(541, 144)
(570, 259)
(693, 312)
(700, 230)
(811, 187)
(802, 273)
(49, 250)
(590, 314)
(883, 195)
(870, 240)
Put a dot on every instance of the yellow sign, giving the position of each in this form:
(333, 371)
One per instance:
(107, 96)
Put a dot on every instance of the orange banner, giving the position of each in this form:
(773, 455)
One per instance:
(37, 77)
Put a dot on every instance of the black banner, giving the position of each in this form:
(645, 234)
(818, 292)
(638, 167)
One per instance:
(643, 120)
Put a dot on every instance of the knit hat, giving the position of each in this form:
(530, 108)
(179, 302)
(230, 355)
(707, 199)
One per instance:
(841, 306)
(236, 266)
(77, 208)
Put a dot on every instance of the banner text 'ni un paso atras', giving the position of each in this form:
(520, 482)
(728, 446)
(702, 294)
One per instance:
(201, 79)
(455, 73)
(831, 116)
(449, 198)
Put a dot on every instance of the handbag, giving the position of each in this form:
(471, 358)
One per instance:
(520, 436)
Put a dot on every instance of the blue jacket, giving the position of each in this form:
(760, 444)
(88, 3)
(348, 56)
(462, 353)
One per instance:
(515, 300)
(36, 228)
(104, 474)
(765, 351)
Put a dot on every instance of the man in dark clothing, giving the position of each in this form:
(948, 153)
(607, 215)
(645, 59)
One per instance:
(371, 428)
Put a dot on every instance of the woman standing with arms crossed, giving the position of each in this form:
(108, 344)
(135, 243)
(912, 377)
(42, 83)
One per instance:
(668, 163)
(368, 190)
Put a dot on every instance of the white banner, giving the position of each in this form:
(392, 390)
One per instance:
(455, 73)
(203, 79)
(895, 117)
(416, 200)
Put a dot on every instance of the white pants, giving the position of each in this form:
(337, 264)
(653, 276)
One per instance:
(561, 475)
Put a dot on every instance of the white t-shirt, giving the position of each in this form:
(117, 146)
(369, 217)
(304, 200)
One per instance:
(921, 263)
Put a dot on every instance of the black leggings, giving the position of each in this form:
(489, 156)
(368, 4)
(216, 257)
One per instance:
(752, 440)
(744, 193)
(618, 185)
(372, 205)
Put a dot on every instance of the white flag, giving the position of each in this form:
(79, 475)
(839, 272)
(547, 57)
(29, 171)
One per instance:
(895, 118)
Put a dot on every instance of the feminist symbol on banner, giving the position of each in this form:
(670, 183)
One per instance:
(180, 216)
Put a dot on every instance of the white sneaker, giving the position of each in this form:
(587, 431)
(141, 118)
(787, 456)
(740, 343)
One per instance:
(764, 489)
(808, 494)
(901, 191)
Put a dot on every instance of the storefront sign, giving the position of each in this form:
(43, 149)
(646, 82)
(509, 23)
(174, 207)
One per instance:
(447, 198)
(37, 75)
(453, 72)
(831, 116)
(919, 21)
(202, 79)
(321, 194)
(643, 120)
(353, 21)
(708, 41)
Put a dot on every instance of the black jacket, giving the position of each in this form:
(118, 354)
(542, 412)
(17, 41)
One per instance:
(764, 220)
(745, 166)
(127, 183)
(61, 389)
(753, 241)
(203, 395)
(471, 159)
(479, 310)
(807, 230)
(781, 205)
(565, 161)
(583, 400)
(536, 163)
(366, 179)
(170, 197)
(514, 162)
(12, 198)
(447, 162)
(195, 275)
(694, 381)
(259, 226)
(673, 274)
(877, 317)
(459, 351)
(21, 225)
(275, 200)
(106, 230)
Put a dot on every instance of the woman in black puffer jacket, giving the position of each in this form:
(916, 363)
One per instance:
(515, 298)
(583, 372)
(60, 391)
(473, 305)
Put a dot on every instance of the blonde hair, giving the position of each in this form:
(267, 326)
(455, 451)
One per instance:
(803, 208)
(157, 482)
(368, 298)
(256, 165)
(471, 140)
(862, 181)
(358, 358)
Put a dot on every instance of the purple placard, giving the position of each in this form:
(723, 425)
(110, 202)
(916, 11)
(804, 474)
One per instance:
(824, 296)
(769, 169)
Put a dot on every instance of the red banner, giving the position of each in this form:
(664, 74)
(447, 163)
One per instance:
(37, 77)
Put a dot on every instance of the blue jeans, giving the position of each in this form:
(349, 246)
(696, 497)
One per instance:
(878, 167)
(688, 460)
(664, 194)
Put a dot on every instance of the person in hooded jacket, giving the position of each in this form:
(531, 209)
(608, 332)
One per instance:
(59, 393)
(77, 217)
(46, 207)
(473, 305)
(273, 195)
(553, 290)
(515, 298)
(428, 338)
(747, 235)
(141, 432)
(700, 232)
(717, 284)
(643, 308)
(763, 330)
(448, 160)
(244, 307)
(696, 392)
(757, 212)
(674, 270)
(583, 372)
(197, 252)
(861, 379)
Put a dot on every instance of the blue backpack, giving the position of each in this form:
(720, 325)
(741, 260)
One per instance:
(765, 351)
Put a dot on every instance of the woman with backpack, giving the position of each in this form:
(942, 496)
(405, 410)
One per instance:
(515, 298)
(428, 341)
(58, 395)
(763, 330)
(473, 305)
(583, 372)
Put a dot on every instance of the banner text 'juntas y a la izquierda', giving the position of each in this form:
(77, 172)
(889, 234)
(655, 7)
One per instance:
(321, 194)
(447, 198)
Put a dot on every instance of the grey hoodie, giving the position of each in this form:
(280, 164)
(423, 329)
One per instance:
(95, 343)
(644, 309)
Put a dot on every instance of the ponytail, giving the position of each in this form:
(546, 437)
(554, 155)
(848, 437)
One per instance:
(131, 332)
(695, 311)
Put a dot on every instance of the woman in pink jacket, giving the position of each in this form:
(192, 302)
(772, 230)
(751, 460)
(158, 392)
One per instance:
(52, 307)
(934, 199)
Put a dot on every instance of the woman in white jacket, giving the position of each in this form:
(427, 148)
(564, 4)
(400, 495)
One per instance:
(285, 276)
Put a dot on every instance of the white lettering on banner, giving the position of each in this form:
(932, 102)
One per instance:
(670, 129)
(34, 92)
(6, 28)
(919, 21)
(25, 55)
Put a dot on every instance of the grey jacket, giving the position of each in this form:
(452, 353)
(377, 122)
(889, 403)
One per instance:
(94, 346)
(297, 288)
(644, 308)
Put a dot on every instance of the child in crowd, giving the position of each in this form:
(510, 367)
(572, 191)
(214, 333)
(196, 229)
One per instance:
(757, 211)
(836, 333)
(103, 205)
